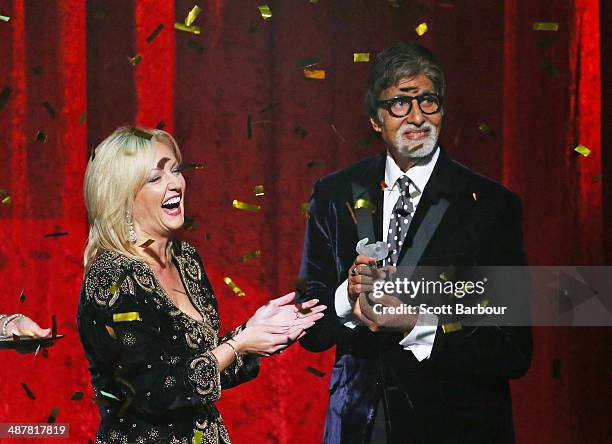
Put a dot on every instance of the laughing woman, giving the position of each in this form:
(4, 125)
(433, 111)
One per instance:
(147, 314)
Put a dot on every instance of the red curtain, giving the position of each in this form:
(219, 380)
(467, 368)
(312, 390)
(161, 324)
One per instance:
(518, 102)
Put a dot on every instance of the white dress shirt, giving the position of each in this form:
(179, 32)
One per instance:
(421, 338)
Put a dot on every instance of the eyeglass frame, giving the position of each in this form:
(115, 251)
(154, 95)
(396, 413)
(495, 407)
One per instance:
(386, 104)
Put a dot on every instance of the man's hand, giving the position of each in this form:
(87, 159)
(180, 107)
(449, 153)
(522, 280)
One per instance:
(376, 319)
(362, 275)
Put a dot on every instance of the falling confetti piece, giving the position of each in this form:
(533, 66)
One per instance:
(22, 296)
(448, 273)
(581, 149)
(56, 234)
(305, 209)
(351, 212)
(315, 372)
(126, 317)
(258, 190)
(317, 74)
(37, 70)
(249, 256)
(197, 46)
(114, 288)
(268, 108)
(135, 60)
(246, 206)
(76, 396)
(207, 236)
(484, 303)
(421, 29)
(228, 281)
(5, 197)
(485, 129)
(475, 197)
(53, 326)
(37, 350)
(265, 11)
(300, 132)
(41, 137)
(312, 164)
(155, 33)
(53, 415)
(49, 109)
(451, 327)
(4, 95)
(4, 18)
(83, 117)
(556, 368)
(550, 69)
(249, 127)
(545, 26)
(383, 185)
(192, 29)
(28, 391)
(307, 63)
(160, 125)
(335, 130)
(111, 331)
(364, 203)
(191, 166)
(142, 134)
(147, 243)
(193, 14)
(361, 57)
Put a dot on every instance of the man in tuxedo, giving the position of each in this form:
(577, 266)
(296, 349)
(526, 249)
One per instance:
(412, 381)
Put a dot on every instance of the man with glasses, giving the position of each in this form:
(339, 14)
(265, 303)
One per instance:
(411, 381)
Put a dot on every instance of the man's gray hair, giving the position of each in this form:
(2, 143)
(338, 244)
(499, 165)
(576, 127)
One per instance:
(397, 62)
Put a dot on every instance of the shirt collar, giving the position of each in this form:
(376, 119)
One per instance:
(419, 174)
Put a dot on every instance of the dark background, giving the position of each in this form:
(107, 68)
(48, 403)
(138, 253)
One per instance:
(539, 93)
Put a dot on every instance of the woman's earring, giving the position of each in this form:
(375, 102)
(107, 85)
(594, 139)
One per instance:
(131, 232)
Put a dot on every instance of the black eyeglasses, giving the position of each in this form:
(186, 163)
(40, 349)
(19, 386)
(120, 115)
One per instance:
(400, 106)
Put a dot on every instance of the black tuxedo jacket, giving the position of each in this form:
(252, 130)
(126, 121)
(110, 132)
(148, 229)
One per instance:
(460, 393)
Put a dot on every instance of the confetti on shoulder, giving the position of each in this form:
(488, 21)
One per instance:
(126, 317)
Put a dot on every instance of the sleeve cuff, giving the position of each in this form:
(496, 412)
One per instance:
(344, 306)
(421, 338)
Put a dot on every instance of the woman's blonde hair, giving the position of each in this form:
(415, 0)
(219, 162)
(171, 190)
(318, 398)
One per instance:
(117, 169)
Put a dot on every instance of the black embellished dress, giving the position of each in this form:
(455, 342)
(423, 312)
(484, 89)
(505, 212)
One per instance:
(154, 376)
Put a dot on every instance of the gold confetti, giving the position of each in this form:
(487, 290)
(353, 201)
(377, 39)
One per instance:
(228, 281)
(421, 29)
(4, 18)
(126, 317)
(363, 203)
(41, 137)
(361, 57)
(4, 95)
(475, 197)
(193, 14)
(135, 60)
(251, 255)
(315, 372)
(111, 331)
(307, 63)
(147, 243)
(155, 33)
(192, 29)
(335, 130)
(448, 273)
(198, 437)
(246, 206)
(142, 134)
(28, 391)
(76, 396)
(484, 303)
(117, 285)
(581, 149)
(197, 46)
(317, 74)
(83, 117)
(452, 327)
(485, 129)
(351, 212)
(305, 209)
(22, 297)
(265, 11)
(191, 166)
(56, 234)
(258, 190)
(5, 197)
(545, 26)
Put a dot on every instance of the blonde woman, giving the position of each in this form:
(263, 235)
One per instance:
(147, 313)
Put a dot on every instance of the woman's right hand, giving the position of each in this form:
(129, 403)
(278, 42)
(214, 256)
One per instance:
(265, 340)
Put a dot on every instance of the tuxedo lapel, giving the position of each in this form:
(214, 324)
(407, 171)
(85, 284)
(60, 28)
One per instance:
(366, 185)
